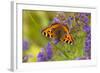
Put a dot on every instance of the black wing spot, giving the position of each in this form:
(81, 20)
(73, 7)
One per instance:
(67, 41)
(51, 36)
(63, 39)
(48, 35)
(44, 33)
(70, 42)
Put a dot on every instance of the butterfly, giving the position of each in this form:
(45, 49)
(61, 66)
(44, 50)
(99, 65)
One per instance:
(58, 31)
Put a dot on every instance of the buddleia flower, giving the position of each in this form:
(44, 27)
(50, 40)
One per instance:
(84, 17)
(86, 28)
(56, 41)
(68, 22)
(25, 44)
(41, 56)
(49, 51)
(56, 20)
(45, 54)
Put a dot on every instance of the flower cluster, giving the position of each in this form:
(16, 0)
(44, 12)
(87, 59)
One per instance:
(87, 29)
(45, 55)
(25, 44)
(61, 18)
(88, 43)
(25, 48)
(41, 56)
(83, 18)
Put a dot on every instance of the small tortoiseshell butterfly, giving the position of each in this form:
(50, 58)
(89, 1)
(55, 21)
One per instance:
(58, 31)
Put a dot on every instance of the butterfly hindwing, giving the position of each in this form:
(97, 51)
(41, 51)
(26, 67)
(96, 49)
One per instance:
(67, 38)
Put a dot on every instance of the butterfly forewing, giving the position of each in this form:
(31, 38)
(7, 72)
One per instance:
(48, 32)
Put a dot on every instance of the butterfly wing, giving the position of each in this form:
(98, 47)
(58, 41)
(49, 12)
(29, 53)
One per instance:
(67, 38)
(51, 31)
(58, 31)
(48, 32)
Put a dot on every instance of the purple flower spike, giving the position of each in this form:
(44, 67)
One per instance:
(88, 36)
(49, 51)
(69, 20)
(25, 45)
(49, 46)
(41, 57)
(87, 45)
(56, 41)
(56, 20)
(86, 20)
(86, 28)
(45, 55)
